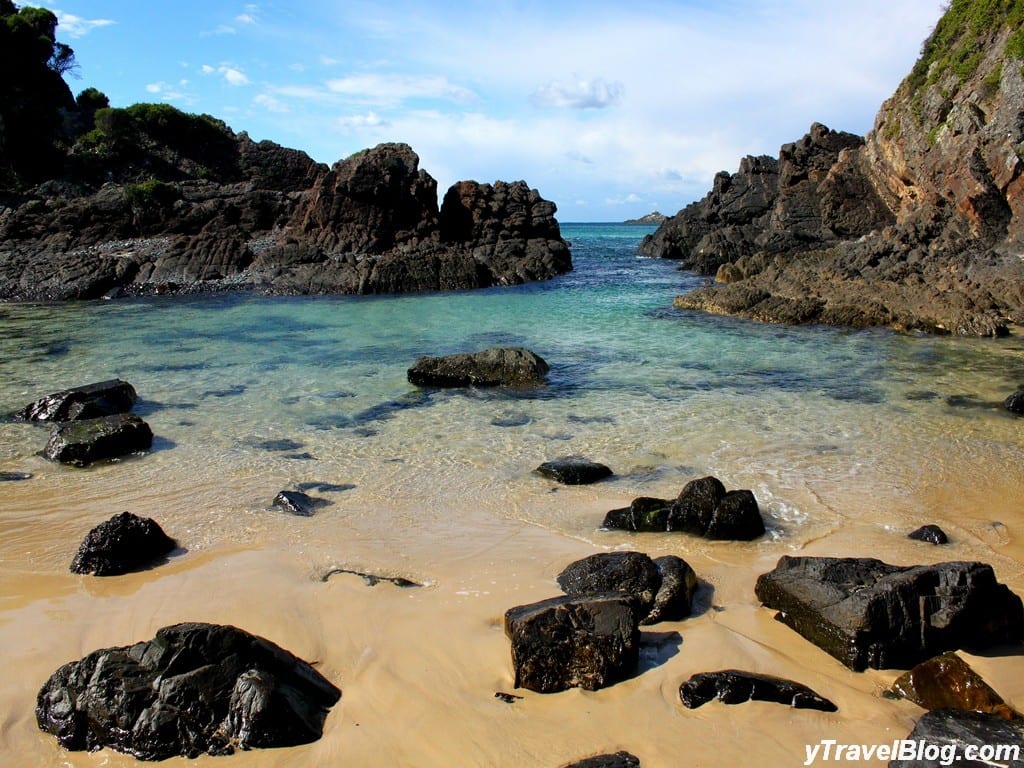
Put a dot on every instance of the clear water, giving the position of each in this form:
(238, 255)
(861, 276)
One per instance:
(250, 394)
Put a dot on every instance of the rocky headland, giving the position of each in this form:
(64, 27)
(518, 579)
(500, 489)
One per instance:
(918, 225)
(182, 214)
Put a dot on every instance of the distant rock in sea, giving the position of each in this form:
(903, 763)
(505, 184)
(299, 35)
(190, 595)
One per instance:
(654, 217)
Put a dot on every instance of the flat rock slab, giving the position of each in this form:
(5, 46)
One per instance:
(941, 737)
(948, 682)
(574, 471)
(122, 544)
(193, 689)
(13, 477)
(508, 366)
(91, 401)
(616, 760)
(83, 442)
(733, 686)
(574, 642)
(867, 613)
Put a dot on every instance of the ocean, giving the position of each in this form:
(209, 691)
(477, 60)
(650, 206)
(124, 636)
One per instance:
(849, 440)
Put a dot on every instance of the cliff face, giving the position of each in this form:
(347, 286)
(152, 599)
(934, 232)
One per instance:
(201, 208)
(918, 225)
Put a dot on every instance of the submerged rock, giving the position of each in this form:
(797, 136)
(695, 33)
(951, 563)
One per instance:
(941, 736)
(297, 503)
(194, 688)
(948, 682)
(930, 533)
(1015, 402)
(574, 470)
(867, 613)
(13, 477)
(513, 366)
(122, 544)
(734, 686)
(104, 398)
(372, 579)
(703, 508)
(83, 442)
(574, 642)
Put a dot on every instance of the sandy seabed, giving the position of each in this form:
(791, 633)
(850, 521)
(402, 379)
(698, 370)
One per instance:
(419, 667)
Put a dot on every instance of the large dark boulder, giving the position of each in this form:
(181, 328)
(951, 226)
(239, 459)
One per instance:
(586, 642)
(194, 688)
(703, 508)
(124, 543)
(632, 573)
(867, 613)
(574, 470)
(1015, 402)
(83, 442)
(497, 366)
(942, 737)
(948, 682)
(104, 398)
(664, 588)
(733, 686)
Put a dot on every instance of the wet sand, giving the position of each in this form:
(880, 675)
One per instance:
(419, 667)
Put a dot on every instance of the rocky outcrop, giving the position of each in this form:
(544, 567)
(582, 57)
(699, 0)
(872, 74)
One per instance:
(122, 544)
(91, 401)
(703, 508)
(948, 682)
(587, 642)
(498, 366)
(919, 225)
(90, 440)
(193, 689)
(574, 470)
(733, 686)
(170, 213)
(867, 613)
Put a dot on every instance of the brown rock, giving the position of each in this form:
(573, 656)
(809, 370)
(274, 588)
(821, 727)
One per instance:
(948, 682)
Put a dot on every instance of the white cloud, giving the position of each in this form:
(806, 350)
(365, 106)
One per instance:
(233, 76)
(270, 103)
(580, 94)
(245, 18)
(206, 69)
(358, 122)
(389, 89)
(75, 26)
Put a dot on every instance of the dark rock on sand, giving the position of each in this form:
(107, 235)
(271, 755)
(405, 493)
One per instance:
(574, 470)
(11, 477)
(703, 508)
(574, 642)
(122, 544)
(83, 442)
(194, 688)
(663, 588)
(674, 600)
(372, 579)
(948, 682)
(297, 503)
(734, 686)
(930, 533)
(104, 398)
(1015, 402)
(940, 737)
(492, 367)
(616, 760)
(867, 613)
(632, 573)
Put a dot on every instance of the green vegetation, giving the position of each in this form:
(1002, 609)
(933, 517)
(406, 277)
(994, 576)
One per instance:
(959, 41)
(149, 194)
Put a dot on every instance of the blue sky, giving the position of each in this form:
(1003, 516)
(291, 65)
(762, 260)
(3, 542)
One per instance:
(611, 109)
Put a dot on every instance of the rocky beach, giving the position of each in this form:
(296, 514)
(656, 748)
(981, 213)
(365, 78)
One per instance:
(309, 465)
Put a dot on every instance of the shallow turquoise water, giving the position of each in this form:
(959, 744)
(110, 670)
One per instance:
(248, 394)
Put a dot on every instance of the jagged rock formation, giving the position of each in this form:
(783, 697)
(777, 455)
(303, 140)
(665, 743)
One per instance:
(155, 201)
(920, 225)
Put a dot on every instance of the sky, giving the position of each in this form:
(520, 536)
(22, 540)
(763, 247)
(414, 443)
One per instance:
(610, 109)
